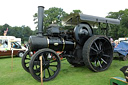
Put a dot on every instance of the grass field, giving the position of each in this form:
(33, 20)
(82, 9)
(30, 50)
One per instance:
(67, 76)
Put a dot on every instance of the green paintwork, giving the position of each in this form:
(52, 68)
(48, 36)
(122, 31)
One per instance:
(118, 81)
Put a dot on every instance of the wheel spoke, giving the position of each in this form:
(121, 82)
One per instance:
(94, 49)
(96, 45)
(51, 69)
(95, 63)
(104, 61)
(53, 61)
(53, 65)
(43, 58)
(48, 72)
(100, 45)
(106, 55)
(44, 74)
(99, 63)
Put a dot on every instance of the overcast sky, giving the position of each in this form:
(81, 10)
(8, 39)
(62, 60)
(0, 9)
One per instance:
(20, 12)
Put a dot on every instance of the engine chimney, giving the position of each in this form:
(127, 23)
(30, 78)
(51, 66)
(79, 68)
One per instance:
(40, 20)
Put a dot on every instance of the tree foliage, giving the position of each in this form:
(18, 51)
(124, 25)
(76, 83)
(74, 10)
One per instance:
(22, 32)
(55, 15)
(76, 11)
(52, 15)
(122, 29)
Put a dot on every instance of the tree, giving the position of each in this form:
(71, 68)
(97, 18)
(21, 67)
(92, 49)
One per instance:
(76, 11)
(122, 29)
(52, 15)
(22, 32)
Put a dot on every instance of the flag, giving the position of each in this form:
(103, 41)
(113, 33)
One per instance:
(5, 32)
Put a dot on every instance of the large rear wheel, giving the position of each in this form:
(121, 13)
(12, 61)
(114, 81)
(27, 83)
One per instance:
(97, 53)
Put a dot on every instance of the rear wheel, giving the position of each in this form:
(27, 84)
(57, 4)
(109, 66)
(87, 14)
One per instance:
(97, 53)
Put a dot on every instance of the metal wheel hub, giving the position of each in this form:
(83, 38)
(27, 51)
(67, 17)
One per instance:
(46, 65)
(100, 53)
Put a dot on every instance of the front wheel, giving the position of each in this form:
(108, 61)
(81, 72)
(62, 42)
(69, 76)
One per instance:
(97, 53)
(50, 61)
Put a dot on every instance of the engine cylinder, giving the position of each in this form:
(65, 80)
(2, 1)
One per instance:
(55, 43)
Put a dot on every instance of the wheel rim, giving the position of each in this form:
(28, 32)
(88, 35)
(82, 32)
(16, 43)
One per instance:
(50, 62)
(100, 55)
(25, 61)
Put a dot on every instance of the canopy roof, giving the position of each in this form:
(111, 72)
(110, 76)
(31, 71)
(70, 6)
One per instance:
(80, 18)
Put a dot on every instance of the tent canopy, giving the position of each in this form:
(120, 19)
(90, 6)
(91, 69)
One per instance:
(122, 48)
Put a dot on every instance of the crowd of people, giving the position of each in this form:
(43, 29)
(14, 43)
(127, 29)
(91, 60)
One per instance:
(114, 43)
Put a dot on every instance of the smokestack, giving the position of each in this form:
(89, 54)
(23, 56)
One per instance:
(40, 20)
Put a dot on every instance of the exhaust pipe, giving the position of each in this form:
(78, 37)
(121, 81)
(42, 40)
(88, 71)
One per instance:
(40, 20)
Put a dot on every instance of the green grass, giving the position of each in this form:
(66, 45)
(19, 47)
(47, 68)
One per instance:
(67, 76)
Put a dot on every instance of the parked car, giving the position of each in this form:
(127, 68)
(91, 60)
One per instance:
(9, 44)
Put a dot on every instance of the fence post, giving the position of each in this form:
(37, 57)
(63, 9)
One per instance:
(12, 59)
(41, 67)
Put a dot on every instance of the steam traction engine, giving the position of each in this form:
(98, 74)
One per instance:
(80, 46)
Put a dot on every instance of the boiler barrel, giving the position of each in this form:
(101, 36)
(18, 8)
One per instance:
(37, 42)
(55, 43)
